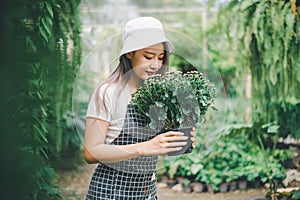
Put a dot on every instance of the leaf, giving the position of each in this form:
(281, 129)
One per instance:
(159, 104)
(46, 26)
(49, 9)
(186, 111)
(44, 153)
(49, 21)
(273, 129)
(273, 75)
(246, 4)
(30, 43)
(173, 100)
(296, 194)
(44, 111)
(195, 168)
(41, 133)
(44, 35)
(263, 179)
(173, 169)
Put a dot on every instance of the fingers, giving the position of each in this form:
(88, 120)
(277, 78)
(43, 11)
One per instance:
(193, 132)
(173, 133)
(193, 140)
(193, 135)
(172, 141)
(173, 136)
(169, 150)
(175, 144)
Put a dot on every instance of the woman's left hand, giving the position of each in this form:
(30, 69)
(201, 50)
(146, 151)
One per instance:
(193, 135)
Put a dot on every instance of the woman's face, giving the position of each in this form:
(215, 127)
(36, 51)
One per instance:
(146, 62)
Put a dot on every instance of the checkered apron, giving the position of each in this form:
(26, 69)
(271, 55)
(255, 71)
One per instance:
(133, 179)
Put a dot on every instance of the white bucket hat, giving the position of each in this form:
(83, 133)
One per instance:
(143, 32)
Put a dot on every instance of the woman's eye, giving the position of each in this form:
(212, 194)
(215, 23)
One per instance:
(149, 58)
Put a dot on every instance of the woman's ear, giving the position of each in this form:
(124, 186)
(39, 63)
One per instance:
(129, 55)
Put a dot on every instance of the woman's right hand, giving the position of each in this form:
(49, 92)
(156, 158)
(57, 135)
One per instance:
(164, 143)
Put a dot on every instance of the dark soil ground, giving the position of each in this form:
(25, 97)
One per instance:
(73, 185)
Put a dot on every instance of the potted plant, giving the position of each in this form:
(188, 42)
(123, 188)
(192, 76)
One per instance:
(233, 186)
(213, 178)
(196, 171)
(186, 185)
(231, 176)
(174, 101)
(171, 171)
(198, 186)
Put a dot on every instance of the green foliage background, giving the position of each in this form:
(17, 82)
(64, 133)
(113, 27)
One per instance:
(265, 41)
(41, 53)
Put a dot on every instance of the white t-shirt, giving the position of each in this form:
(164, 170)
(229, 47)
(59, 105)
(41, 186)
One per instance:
(116, 106)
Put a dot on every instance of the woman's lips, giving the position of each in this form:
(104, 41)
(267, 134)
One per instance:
(150, 73)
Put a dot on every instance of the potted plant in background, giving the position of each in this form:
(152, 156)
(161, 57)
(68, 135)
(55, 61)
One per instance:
(213, 179)
(177, 170)
(174, 101)
(231, 178)
(196, 167)
(198, 186)
(186, 186)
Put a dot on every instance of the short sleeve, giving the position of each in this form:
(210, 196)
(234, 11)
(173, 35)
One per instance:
(100, 105)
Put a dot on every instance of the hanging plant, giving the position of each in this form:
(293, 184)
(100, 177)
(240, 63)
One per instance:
(43, 45)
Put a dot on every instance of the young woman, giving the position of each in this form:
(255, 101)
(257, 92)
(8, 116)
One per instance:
(116, 137)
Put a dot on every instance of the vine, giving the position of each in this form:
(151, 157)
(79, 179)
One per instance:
(43, 54)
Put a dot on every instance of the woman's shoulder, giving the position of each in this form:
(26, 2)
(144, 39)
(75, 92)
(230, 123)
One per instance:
(108, 89)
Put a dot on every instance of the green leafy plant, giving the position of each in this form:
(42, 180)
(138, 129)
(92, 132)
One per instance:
(174, 100)
(212, 177)
(264, 162)
(234, 158)
(177, 167)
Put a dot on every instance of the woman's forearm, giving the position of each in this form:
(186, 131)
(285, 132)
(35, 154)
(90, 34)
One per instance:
(95, 149)
(159, 145)
(106, 153)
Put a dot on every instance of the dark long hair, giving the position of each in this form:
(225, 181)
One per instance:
(121, 76)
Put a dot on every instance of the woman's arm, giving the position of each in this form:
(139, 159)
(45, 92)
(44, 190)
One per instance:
(95, 149)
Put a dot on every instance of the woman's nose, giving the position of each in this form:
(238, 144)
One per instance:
(155, 63)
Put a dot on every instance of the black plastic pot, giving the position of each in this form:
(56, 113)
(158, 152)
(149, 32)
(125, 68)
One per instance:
(256, 183)
(242, 184)
(171, 183)
(232, 186)
(187, 188)
(223, 187)
(198, 187)
(188, 147)
(164, 179)
(210, 189)
(180, 179)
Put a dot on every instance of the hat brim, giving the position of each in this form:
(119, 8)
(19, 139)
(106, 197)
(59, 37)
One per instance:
(140, 39)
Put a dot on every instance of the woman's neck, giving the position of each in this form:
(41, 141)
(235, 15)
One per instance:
(134, 83)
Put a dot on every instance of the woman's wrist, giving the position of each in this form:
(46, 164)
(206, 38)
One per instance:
(139, 149)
